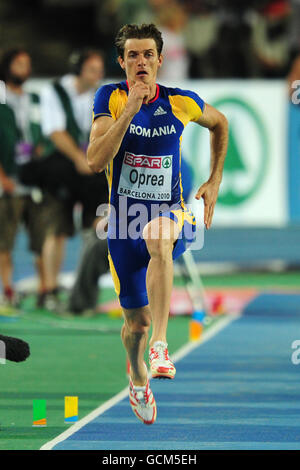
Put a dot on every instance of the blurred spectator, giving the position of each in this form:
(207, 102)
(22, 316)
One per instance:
(20, 141)
(66, 107)
(224, 38)
(140, 11)
(201, 34)
(134, 11)
(171, 20)
(270, 38)
(233, 55)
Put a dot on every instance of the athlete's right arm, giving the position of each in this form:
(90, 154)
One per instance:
(105, 140)
(107, 134)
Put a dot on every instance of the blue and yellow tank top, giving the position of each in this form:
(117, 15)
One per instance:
(146, 168)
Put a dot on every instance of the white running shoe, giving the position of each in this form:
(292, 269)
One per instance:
(142, 402)
(161, 366)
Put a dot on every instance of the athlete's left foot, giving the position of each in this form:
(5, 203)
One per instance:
(161, 366)
(142, 402)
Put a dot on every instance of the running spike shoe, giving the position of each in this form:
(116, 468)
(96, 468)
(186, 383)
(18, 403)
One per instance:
(161, 366)
(142, 402)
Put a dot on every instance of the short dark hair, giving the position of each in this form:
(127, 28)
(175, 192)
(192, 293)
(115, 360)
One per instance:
(134, 31)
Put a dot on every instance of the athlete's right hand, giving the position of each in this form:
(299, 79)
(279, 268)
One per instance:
(138, 93)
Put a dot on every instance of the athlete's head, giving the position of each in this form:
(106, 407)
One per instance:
(139, 51)
(88, 66)
(15, 66)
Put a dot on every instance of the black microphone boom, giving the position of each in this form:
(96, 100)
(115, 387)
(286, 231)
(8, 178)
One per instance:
(16, 349)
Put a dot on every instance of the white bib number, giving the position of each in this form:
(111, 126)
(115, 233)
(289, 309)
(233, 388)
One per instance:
(145, 177)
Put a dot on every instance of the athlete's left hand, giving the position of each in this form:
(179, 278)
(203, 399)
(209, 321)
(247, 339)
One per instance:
(209, 192)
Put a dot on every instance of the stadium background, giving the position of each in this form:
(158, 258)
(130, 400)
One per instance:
(250, 255)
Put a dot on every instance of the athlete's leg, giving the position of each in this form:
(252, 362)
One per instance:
(160, 235)
(134, 336)
(128, 261)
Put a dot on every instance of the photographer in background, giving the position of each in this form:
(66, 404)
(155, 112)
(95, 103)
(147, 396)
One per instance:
(66, 120)
(20, 142)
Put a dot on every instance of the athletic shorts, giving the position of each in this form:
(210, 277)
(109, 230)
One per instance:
(129, 258)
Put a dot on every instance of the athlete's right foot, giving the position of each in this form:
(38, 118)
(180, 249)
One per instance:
(142, 402)
(161, 366)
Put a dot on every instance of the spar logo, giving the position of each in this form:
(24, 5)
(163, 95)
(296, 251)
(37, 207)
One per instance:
(146, 170)
(246, 162)
(142, 161)
(166, 162)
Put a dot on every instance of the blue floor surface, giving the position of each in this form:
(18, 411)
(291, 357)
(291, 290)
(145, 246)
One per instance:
(239, 390)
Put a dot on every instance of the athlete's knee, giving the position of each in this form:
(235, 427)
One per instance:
(159, 236)
(137, 325)
(137, 328)
(159, 247)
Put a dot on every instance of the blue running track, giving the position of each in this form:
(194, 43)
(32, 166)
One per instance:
(239, 390)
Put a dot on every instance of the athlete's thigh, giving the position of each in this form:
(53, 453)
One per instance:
(128, 264)
(184, 228)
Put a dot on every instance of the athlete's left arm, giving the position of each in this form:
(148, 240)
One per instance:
(217, 124)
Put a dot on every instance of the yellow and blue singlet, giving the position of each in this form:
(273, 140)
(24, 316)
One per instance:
(145, 171)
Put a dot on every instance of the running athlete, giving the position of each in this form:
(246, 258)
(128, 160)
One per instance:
(136, 139)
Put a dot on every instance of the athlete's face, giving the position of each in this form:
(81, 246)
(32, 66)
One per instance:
(141, 60)
(92, 72)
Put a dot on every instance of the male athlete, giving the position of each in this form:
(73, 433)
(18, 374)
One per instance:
(135, 138)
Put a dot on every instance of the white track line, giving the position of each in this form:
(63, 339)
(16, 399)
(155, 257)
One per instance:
(182, 352)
